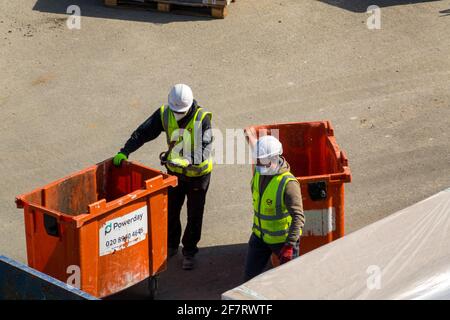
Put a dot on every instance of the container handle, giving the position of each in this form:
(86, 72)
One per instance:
(317, 190)
(51, 225)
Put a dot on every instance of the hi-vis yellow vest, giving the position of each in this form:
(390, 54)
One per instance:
(185, 141)
(271, 220)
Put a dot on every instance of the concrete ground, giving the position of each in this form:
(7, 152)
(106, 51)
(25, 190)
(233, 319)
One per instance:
(70, 99)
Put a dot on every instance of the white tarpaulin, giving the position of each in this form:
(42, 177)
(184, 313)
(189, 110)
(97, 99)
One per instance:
(403, 256)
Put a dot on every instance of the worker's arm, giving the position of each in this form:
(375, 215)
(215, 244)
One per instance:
(294, 204)
(149, 130)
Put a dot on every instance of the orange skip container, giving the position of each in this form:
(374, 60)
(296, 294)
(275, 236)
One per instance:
(103, 228)
(321, 168)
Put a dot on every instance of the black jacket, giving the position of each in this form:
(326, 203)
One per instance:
(151, 128)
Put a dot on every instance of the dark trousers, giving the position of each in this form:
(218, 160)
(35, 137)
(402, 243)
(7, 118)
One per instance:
(259, 254)
(194, 189)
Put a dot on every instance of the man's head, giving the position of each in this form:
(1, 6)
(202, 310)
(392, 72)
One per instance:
(267, 154)
(180, 100)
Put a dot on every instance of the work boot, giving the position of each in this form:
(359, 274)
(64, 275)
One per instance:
(172, 252)
(188, 263)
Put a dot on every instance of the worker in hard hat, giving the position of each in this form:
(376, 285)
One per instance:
(278, 208)
(188, 156)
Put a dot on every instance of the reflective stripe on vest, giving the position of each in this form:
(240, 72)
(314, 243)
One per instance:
(271, 233)
(271, 220)
(194, 128)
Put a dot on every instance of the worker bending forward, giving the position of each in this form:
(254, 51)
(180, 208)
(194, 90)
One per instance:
(278, 209)
(188, 132)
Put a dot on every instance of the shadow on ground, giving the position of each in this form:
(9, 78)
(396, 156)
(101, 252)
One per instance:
(362, 5)
(445, 13)
(96, 9)
(218, 269)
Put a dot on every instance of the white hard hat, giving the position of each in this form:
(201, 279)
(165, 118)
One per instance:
(180, 98)
(267, 146)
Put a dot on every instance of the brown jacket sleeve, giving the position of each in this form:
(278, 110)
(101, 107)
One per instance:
(294, 204)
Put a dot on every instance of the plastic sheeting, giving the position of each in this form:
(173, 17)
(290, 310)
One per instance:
(403, 256)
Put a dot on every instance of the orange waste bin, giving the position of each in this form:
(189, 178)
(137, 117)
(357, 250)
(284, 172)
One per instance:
(321, 168)
(103, 229)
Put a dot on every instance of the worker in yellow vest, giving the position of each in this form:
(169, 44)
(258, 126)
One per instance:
(188, 156)
(278, 218)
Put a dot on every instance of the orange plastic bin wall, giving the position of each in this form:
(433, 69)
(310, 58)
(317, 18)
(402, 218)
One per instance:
(105, 226)
(321, 168)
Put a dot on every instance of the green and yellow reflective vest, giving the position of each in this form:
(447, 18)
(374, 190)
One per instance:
(271, 220)
(185, 141)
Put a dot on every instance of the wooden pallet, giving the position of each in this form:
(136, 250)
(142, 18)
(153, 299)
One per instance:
(215, 8)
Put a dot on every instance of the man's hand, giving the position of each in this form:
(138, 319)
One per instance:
(286, 253)
(119, 158)
(179, 162)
